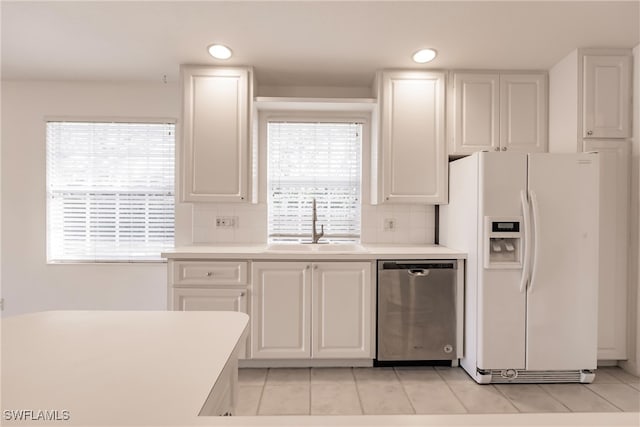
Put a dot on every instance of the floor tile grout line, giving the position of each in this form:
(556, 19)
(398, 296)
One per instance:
(533, 385)
(405, 391)
(355, 380)
(508, 399)
(453, 392)
(264, 384)
(584, 386)
(309, 384)
(552, 396)
(606, 400)
(620, 378)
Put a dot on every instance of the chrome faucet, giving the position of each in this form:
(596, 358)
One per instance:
(315, 236)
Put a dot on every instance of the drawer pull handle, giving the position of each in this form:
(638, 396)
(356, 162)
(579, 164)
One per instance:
(209, 273)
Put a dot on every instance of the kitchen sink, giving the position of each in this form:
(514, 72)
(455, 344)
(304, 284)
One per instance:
(316, 247)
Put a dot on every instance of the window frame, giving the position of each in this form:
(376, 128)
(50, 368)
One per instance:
(107, 119)
(334, 116)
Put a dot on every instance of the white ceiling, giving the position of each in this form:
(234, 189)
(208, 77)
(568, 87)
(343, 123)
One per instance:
(300, 43)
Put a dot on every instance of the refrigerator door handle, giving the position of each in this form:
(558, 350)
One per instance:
(536, 237)
(526, 258)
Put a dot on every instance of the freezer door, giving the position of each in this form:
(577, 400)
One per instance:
(501, 304)
(562, 298)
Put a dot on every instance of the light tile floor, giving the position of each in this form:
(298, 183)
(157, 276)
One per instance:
(422, 390)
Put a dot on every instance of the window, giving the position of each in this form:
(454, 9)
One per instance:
(308, 160)
(110, 190)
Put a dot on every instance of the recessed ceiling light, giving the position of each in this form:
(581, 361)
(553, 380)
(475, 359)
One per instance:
(219, 51)
(424, 55)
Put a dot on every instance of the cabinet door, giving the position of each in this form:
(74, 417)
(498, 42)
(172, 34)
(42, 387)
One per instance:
(523, 112)
(280, 310)
(204, 299)
(613, 244)
(475, 113)
(414, 161)
(215, 130)
(606, 91)
(341, 312)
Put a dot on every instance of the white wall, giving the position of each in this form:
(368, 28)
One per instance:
(28, 283)
(633, 363)
(414, 224)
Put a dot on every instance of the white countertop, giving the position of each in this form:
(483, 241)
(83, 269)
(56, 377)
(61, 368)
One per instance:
(262, 252)
(157, 370)
(116, 367)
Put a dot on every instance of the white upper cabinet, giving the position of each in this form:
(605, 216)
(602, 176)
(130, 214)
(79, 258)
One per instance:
(215, 133)
(589, 98)
(474, 110)
(410, 162)
(523, 112)
(497, 111)
(607, 96)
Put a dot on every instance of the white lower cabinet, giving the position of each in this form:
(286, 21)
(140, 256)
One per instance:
(206, 299)
(199, 285)
(304, 310)
(280, 310)
(341, 310)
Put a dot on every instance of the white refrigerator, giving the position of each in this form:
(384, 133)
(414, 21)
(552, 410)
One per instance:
(529, 223)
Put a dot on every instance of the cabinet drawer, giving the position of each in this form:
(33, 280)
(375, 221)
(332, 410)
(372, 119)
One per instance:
(210, 273)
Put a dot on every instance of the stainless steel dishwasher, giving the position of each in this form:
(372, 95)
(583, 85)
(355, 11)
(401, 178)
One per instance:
(416, 310)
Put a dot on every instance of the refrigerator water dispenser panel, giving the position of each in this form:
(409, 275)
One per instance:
(503, 239)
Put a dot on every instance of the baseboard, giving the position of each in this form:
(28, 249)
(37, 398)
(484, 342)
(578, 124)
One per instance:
(305, 363)
(630, 366)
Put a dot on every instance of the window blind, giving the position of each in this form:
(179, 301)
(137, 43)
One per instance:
(110, 190)
(314, 160)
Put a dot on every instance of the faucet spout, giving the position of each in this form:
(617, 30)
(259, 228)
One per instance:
(315, 236)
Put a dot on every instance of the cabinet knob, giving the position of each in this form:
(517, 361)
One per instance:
(504, 148)
(209, 273)
(308, 267)
(589, 132)
(497, 148)
(315, 267)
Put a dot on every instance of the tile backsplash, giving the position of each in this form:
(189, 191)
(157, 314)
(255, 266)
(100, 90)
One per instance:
(413, 224)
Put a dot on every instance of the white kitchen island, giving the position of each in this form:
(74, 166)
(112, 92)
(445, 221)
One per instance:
(119, 367)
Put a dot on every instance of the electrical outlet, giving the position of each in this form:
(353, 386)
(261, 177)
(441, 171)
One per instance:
(389, 224)
(226, 221)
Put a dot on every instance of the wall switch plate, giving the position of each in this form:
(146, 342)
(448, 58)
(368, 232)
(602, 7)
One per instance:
(226, 221)
(389, 224)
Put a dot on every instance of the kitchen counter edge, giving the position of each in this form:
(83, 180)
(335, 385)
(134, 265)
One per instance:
(261, 252)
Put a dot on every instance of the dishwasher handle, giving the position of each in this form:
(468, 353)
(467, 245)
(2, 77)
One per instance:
(417, 265)
(418, 272)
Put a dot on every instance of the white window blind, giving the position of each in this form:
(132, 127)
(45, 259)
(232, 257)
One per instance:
(110, 190)
(314, 160)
